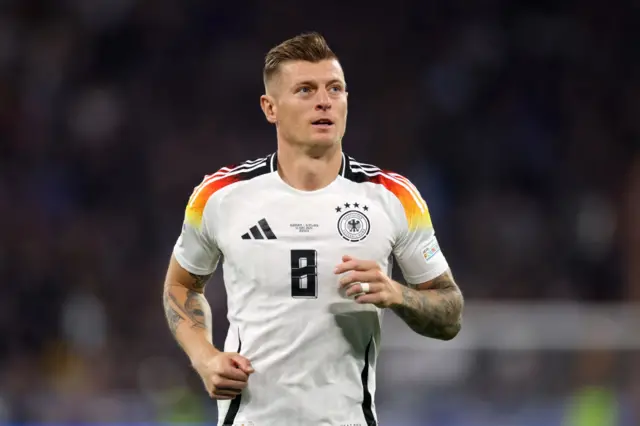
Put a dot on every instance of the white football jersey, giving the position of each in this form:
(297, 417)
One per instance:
(313, 349)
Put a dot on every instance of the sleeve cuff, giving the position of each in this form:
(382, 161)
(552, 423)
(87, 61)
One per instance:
(189, 267)
(436, 270)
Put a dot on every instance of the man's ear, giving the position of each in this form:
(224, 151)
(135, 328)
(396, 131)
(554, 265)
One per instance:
(268, 105)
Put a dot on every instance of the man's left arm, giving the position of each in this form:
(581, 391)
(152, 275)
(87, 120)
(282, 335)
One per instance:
(433, 309)
(431, 303)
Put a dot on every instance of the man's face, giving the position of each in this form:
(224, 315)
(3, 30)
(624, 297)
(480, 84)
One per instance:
(308, 102)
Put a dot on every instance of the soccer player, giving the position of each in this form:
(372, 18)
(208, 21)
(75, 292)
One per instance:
(306, 236)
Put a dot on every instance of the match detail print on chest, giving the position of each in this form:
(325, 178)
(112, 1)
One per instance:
(348, 220)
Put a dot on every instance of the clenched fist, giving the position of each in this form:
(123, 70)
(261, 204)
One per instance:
(225, 374)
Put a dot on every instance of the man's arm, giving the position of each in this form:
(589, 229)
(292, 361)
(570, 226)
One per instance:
(187, 311)
(432, 309)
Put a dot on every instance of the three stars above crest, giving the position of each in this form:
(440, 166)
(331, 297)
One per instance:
(348, 205)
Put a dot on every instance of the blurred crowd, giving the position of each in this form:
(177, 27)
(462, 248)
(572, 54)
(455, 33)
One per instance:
(518, 122)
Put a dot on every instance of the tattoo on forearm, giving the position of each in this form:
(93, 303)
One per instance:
(192, 310)
(173, 317)
(200, 281)
(435, 312)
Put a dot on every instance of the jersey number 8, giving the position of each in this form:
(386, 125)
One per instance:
(304, 274)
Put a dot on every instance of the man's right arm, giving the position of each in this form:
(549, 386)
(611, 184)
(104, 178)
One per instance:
(195, 257)
(187, 311)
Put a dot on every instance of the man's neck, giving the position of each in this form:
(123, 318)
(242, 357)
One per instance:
(308, 171)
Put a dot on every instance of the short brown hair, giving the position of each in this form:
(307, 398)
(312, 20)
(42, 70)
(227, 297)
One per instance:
(311, 47)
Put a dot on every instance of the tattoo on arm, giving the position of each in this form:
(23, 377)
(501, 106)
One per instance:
(435, 312)
(200, 281)
(173, 317)
(192, 310)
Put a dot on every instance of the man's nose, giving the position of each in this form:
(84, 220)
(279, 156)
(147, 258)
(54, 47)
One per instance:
(324, 102)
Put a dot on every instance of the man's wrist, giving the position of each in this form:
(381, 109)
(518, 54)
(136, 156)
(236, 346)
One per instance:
(200, 355)
(397, 294)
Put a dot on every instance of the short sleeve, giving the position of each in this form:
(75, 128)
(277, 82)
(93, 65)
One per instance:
(196, 249)
(416, 247)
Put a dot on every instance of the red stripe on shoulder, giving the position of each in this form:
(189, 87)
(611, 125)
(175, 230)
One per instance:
(415, 208)
(201, 194)
(224, 177)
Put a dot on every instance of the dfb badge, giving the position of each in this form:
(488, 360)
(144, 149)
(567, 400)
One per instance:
(353, 224)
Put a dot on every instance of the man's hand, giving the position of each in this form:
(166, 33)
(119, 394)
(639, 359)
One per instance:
(225, 374)
(382, 291)
(432, 309)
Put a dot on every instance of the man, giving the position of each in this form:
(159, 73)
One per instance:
(306, 234)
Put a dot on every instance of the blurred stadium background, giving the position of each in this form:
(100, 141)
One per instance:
(519, 121)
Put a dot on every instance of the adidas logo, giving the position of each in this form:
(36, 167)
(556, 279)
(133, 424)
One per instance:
(255, 234)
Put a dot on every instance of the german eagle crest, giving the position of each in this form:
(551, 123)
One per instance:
(353, 224)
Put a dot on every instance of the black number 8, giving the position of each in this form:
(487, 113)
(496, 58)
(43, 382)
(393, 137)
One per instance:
(304, 274)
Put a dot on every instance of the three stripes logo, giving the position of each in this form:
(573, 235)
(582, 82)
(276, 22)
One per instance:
(255, 234)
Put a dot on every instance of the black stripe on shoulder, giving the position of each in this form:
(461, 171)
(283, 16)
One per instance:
(248, 169)
(359, 172)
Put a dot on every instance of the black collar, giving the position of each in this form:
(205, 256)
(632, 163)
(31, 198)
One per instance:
(344, 166)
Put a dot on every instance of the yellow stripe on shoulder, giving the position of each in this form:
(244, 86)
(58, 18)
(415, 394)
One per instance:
(201, 194)
(415, 208)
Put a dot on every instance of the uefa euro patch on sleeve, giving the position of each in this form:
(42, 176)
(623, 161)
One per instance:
(431, 249)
